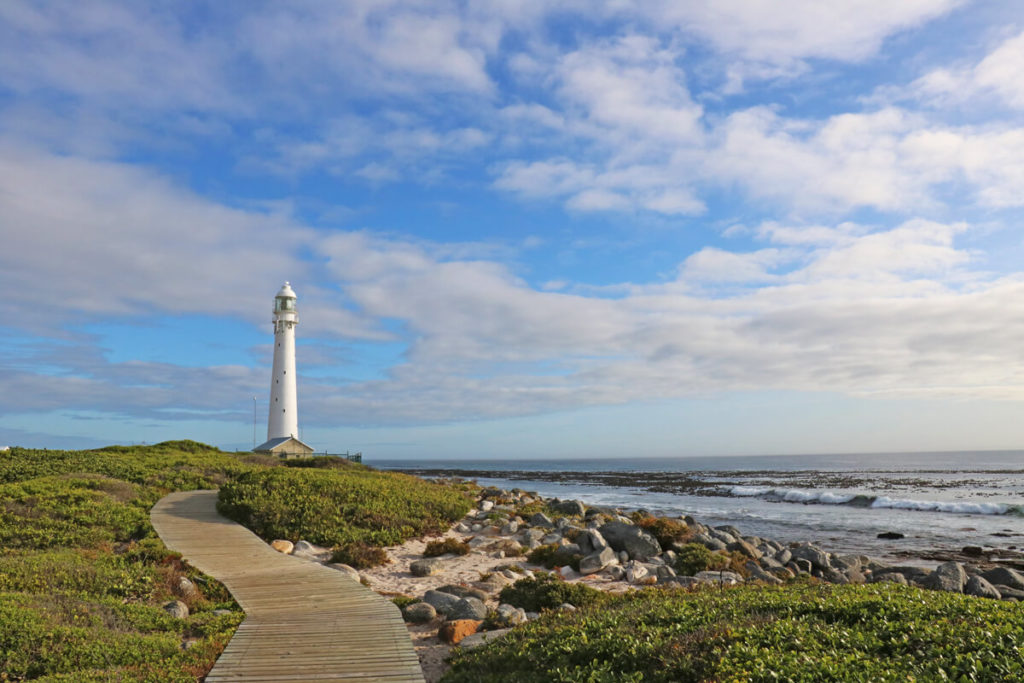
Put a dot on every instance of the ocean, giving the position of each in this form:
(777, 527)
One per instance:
(940, 501)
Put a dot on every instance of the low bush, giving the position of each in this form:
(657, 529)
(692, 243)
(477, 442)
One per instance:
(801, 632)
(445, 546)
(694, 557)
(403, 601)
(666, 530)
(335, 507)
(360, 555)
(547, 591)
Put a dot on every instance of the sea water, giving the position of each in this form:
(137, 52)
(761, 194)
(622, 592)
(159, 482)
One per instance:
(941, 502)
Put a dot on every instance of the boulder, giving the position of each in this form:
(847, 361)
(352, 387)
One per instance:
(948, 576)
(891, 535)
(494, 583)
(723, 536)
(507, 615)
(455, 631)
(419, 613)
(615, 572)
(444, 603)
(812, 553)
(482, 638)
(510, 528)
(591, 541)
(540, 519)
(570, 507)
(636, 573)
(468, 608)
(568, 573)
(486, 505)
(665, 574)
(784, 556)
(1004, 576)
(973, 550)
(528, 536)
(890, 576)
(461, 591)
(597, 561)
(282, 546)
(308, 551)
(744, 548)
(630, 539)
(981, 588)
(730, 529)
(186, 588)
(346, 570)
(426, 567)
(1010, 593)
(564, 554)
(709, 542)
(758, 574)
(177, 609)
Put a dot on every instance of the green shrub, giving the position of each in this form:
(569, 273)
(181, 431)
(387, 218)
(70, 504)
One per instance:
(360, 555)
(666, 530)
(403, 601)
(547, 591)
(334, 507)
(445, 546)
(806, 633)
(694, 557)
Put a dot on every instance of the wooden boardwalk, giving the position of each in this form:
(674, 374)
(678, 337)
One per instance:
(304, 621)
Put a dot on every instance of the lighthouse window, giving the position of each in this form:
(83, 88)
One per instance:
(287, 304)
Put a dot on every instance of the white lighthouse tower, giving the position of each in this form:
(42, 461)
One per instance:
(283, 417)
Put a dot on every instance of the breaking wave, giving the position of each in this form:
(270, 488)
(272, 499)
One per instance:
(812, 497)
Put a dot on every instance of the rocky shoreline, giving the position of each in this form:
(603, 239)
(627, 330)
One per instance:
(455, 599)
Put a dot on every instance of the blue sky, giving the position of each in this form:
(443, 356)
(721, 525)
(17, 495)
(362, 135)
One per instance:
(516, 229)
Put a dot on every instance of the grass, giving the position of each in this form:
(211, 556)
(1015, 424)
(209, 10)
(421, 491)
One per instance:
(800, 632)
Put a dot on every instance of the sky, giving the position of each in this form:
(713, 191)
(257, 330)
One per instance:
(516, 229)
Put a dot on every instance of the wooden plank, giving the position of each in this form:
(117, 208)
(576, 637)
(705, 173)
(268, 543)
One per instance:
(304, 621)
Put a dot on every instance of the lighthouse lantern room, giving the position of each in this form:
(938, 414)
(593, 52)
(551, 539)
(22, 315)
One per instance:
(283, 416)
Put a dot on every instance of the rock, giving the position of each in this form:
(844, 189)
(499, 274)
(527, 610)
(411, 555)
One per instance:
(724, 578)
(744, 548)
(463, 528)
(892, 577)
(177, 609)
(455, 631)
(631, 539)
(426, 567)
(665, 574)
(812, 553)
(623, 557)
(1004, 576)
(707, 541)
(856, 576)
(346, 570)
(507, 615)
(844, 563)
(308, 551)
(461, 591)
(566, 607)
(568, 573)
(891, 535)
(973, 550)
(510, 528)
(444, 603)
(494, 583)
(221, 612)
(981, 588)
(1009, 593)
(419, 613)
(526, 536)
(730, 529)
(636, 573)
(468, 608)
(615, 572)
(570, 507)
(482, 638)
(562, 523)
(597, 561)
(948, 576)
(833, 576)
(486, 505)
(540, 519)
(769, 563)
(564, 554)
(804, 566)
(282, 546)
(758, 574)
(186, 588)
(591, 541)
(553, 537)
(724, 536)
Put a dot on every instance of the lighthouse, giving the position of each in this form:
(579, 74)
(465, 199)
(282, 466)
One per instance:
(283, 416)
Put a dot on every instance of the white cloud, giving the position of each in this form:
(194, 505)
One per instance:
(997, 76)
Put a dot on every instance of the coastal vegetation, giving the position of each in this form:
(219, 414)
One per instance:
(804, 631)
(84, 577)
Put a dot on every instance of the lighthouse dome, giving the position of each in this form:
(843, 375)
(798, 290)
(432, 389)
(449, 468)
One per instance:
(286, 290)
